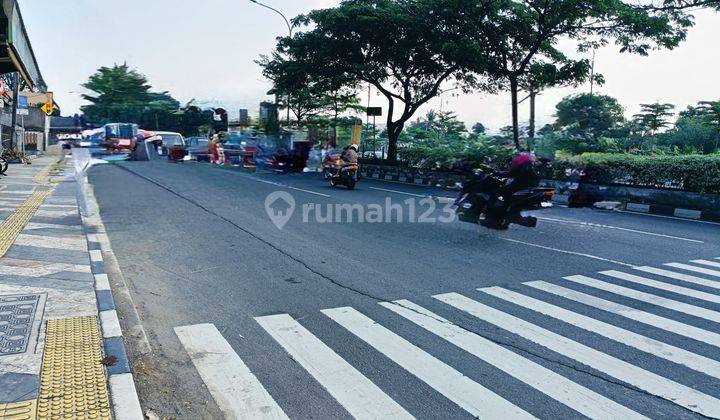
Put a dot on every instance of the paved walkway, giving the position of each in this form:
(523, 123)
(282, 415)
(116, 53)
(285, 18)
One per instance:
(51, 353)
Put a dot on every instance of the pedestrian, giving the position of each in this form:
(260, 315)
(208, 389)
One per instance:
(213, 150)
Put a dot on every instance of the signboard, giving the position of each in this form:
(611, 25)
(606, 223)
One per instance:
(373, 111)
(23, 111)
(22, 102)
(48, 109)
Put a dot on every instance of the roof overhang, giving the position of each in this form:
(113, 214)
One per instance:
(16, 53)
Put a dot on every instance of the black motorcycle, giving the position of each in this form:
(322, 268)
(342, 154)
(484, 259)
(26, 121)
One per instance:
(346, 176)
(495, 202)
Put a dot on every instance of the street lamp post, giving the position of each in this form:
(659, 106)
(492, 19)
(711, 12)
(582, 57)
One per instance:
(290, 32)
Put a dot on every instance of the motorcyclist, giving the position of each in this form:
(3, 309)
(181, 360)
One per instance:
(350, 155)
(522, 174)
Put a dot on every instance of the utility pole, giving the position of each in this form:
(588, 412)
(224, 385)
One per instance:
(290, 32)
(592, 73)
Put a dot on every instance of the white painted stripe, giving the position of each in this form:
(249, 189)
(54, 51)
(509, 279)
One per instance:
(706, 262)
(439, 198)
(700, 270)
(102, 282)
(680, 276)
(236, 390)
(56, 213)
(126, 405)
(663, 286)
(669, 217)
(647, 298)
(76, 243)
(643, 343)
(278, 184)
(563, 251)
(630, 313)
(597, 225)
(624, 371)
(34, 226)
(96, 255)
(579, 398)
(458, 388)
(356, 393)
(110, 324)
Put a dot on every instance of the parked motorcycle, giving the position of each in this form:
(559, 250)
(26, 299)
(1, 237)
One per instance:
(485, 200)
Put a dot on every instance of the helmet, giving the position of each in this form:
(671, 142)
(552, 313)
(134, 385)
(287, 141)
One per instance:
(355, 147)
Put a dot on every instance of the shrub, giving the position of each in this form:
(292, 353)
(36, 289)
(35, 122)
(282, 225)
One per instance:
(697, 173)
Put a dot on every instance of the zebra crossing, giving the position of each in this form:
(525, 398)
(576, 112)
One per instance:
(679, 306)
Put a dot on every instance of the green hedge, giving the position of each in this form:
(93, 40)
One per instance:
(697, 173)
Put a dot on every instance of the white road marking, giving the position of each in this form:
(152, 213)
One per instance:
(458, 388)
(669, 217)
(680, 276)
(278, 184)
(660, 301)
(577, 397)
(650, 382)
(579, 254)
(236, 390)
(706, 262)
(356, 393)
(663, 286)
(597, 225)
(630, 313)
(700, 270)
(434, 197)
(643, 343)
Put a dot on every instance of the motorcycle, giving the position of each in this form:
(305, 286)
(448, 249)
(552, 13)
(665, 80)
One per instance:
(339, 173)
(483, 201)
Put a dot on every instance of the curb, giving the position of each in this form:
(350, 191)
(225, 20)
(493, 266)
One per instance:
(123, 394)
(677, 212)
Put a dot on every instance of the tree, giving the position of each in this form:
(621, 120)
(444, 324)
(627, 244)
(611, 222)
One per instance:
(121, 94)
(654, 117)
(400, 47)
(521, 33)
(588, 117)
(478, 129)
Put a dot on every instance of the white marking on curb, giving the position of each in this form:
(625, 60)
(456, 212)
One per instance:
(102, 282)
(96, 255)
(598, 225)
(110, 324)
(636, 207)
(237, 391)
(661, 216)
(126, 405)
(688, 214)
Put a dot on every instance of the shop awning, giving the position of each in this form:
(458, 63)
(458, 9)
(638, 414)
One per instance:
(16, 53)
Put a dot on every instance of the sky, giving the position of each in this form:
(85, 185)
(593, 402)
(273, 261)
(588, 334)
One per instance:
(205, 50)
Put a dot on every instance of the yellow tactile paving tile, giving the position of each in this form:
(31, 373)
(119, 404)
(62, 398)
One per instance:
(24, 410)
(11, 227)
(72, 381)
(44, 176)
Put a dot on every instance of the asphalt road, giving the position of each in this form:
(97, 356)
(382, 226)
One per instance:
(208, 271)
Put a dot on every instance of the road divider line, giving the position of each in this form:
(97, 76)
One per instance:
(278, 184)
(433, 197)
(669, 217)
(458, 388)
(700, 270)
(598, 225)
(234, 387)
(697, 294)
(356, 393)
(645, 380)
(706, 262)
(573, 395)
(660, 301)
(620, 335)
(680, 276)
(579, 254)
(637, 315)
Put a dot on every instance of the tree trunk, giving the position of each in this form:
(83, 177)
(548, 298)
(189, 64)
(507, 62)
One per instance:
(531, 128)
(394, 130)
(514, 100)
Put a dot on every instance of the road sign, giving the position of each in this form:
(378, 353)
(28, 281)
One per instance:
(48, 109)
(374, 111)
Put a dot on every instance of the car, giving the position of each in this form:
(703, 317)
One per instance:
(169, 139)
(197, 148)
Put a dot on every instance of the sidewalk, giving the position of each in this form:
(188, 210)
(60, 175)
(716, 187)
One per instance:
(57, 350)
